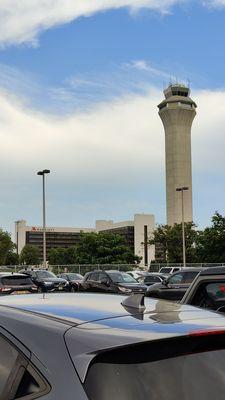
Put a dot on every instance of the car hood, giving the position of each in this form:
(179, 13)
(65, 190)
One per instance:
(132, 286)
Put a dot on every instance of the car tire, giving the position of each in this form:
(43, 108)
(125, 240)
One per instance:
(73, 290)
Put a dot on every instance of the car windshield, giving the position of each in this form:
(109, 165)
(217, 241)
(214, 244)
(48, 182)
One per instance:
(119, 277)
(45, 274)
(75, 276)
(189, 377)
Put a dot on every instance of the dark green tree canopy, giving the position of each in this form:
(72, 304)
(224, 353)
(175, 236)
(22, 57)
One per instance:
(30, 255)
(6, 246)
(95, 248)
(210, 246)
(170, 240)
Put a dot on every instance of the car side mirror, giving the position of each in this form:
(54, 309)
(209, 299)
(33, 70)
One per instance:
(165, 282)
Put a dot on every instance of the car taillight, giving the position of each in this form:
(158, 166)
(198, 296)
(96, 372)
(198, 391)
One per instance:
(5, 289)
(208, 332)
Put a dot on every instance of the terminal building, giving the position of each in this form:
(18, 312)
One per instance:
(136, 234)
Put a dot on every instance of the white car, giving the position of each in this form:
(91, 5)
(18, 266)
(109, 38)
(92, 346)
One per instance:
(169, 270)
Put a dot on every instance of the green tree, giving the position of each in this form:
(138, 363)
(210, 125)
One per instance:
(58, 256)
(103, 248)
(169, 238)
(12, 258)
(6, 245)
(210, 246)
(95, 248)
(30, 255)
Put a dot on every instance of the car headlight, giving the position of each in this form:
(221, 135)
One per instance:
(48, 283)
(124, 290)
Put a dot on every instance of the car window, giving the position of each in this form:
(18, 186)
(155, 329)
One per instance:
(190, 276)
(14, 280)
(95, 276)
(216, 290)
(152, 279)
(18, 380)
(8, 357)
(119, 277)
(132, 376)
(102, 276)
(175, 279)
(176, 269)
(165, 270)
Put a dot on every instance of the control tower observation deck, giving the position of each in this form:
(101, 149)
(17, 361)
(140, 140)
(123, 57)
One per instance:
(177, 112)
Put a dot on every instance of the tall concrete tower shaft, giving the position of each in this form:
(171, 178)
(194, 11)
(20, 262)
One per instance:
(177, 112)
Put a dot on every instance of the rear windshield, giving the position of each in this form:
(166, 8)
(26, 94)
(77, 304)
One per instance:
(188, 377)
(16, 280)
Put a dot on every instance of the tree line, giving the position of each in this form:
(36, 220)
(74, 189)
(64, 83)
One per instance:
(202, 246)
(207, 245)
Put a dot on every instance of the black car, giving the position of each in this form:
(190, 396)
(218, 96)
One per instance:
(45, 280)
(14, 283)
(150, 278)
(112, 282)
(175, 286)
(74, 280)
(109, 347)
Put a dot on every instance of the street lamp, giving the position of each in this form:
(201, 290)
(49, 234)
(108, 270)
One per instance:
(182, 189)
(42, 173)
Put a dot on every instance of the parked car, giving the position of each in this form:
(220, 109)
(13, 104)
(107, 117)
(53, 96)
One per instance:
(14, 283)
(112, 282)
(150, 278)
(169, 270)
(94, 348)
(207, 290)
(74, 280)
(45, 280)
(175, 286)
(136, 273)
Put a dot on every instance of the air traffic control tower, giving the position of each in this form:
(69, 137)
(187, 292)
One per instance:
(177, 112)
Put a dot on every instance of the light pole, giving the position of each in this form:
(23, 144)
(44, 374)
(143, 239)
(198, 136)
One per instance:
(182, 189)
(42, 173)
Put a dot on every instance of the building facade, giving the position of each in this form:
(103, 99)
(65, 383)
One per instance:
(177, 112)
(136, 234)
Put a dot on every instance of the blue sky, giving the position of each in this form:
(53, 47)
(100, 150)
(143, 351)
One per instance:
(79, 88)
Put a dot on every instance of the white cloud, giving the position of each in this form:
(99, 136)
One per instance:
(146, 66)
(118, 145)
(21, 21)
(214, 3)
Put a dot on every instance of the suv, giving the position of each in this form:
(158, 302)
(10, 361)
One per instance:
(207, 290)
(112, 282)
(174, 287)
(13, 283)
(45, 280)
(109, 347)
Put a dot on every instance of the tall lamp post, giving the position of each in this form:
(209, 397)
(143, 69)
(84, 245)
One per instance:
(182, 189)
(42, 173)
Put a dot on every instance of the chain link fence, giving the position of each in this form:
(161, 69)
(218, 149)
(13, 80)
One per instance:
(83, 268)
